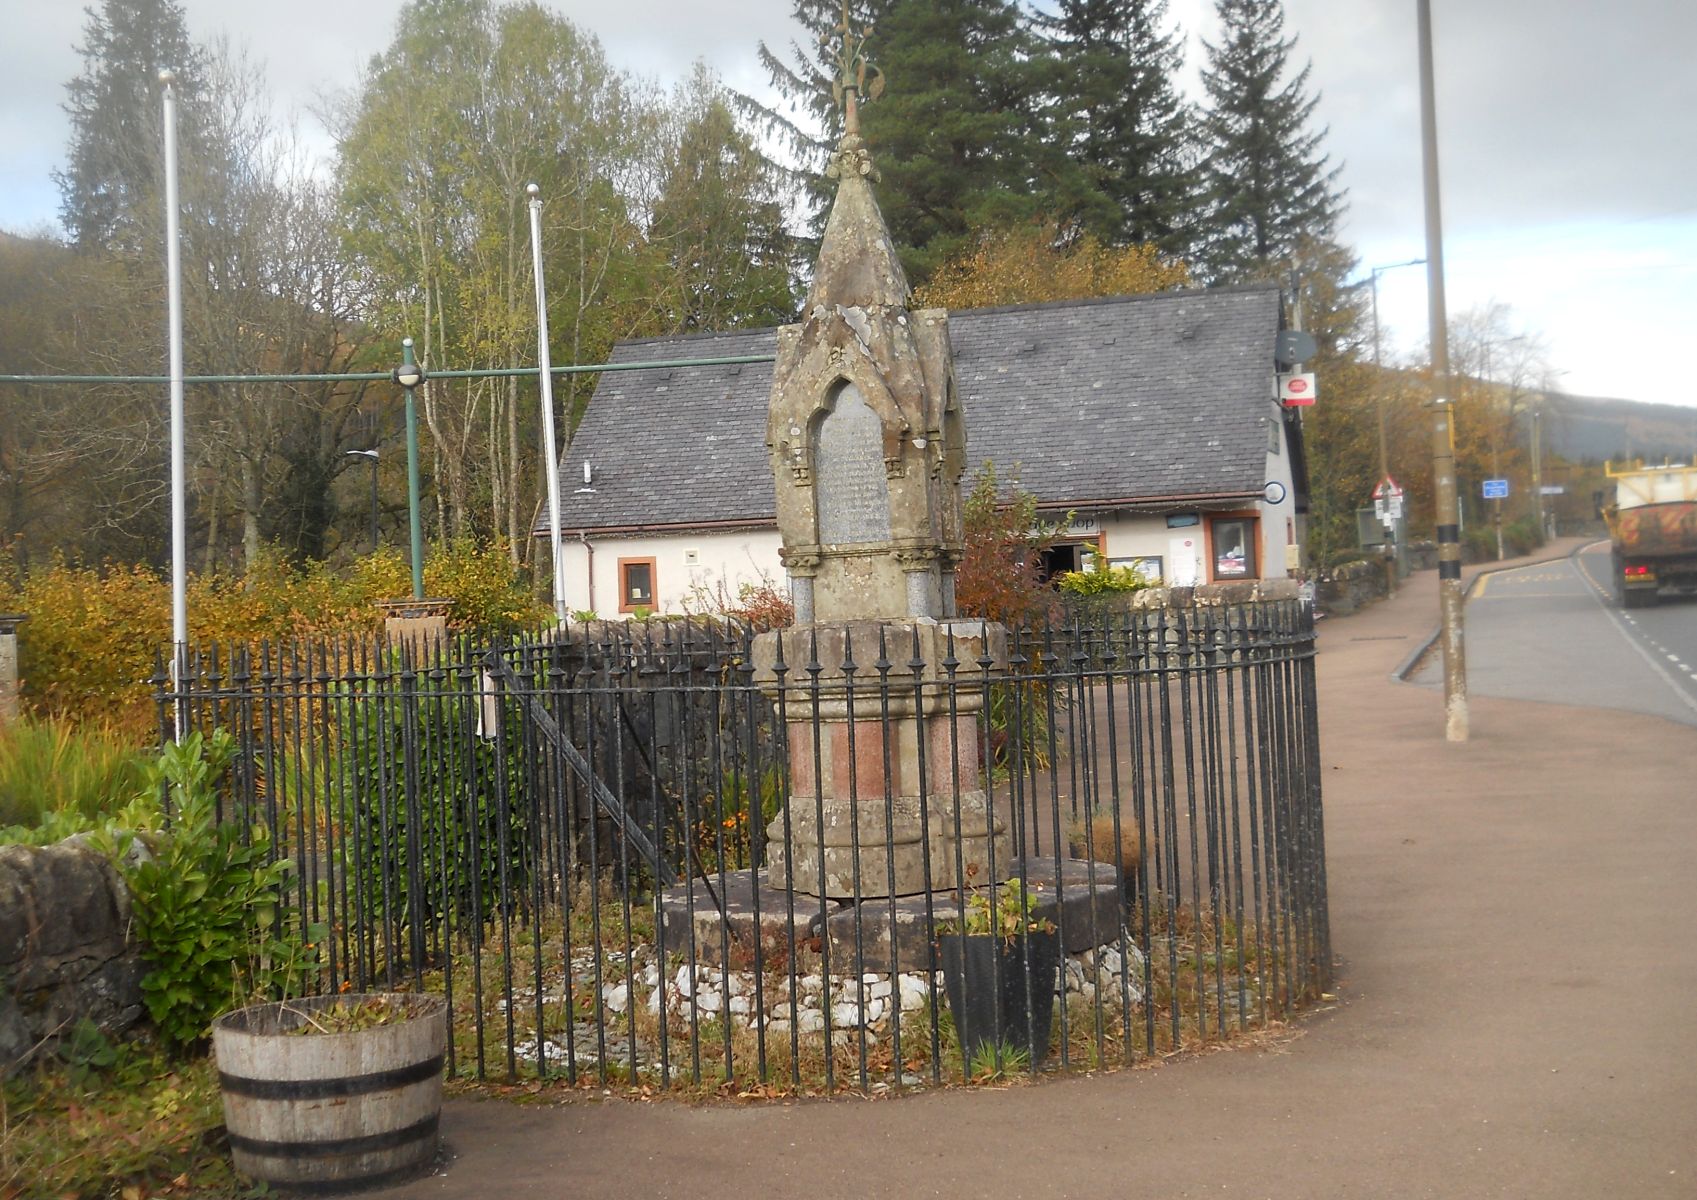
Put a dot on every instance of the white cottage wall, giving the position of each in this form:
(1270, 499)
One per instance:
(691, 571)
(1280, 524)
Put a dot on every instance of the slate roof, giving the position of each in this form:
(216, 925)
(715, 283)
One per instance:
(1127, 401)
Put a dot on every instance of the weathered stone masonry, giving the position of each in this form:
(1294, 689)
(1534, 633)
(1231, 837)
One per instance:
(65, 947)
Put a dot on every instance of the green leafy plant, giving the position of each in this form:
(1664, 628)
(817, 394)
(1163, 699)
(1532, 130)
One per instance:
(1102, 580)
(1006, 912)
(441, 848)
(207, 905)
(998, 1060)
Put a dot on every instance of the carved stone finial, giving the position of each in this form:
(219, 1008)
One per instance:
(856, 78)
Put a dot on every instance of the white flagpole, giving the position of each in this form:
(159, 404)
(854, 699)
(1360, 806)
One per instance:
(545, 379)
(179, 499)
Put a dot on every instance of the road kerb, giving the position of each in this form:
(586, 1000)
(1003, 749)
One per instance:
(1411, 664)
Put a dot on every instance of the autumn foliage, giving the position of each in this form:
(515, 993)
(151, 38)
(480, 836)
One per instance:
(1037, 261)
(88, 649)
(1000, 576)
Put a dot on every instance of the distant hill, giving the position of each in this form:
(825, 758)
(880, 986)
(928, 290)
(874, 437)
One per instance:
(1596, 428)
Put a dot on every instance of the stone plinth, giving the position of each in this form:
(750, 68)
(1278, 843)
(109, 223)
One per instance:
(1083, 899)
(732, 914)
(887, 795)
(418, 625)
(9, 702)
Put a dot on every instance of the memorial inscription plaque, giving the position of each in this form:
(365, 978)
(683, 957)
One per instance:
(853, 496)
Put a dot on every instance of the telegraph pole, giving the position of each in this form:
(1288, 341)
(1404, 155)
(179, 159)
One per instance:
(1443, 424)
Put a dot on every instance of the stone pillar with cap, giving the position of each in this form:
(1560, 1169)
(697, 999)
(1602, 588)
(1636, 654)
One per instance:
(868, 447)
(10, 703)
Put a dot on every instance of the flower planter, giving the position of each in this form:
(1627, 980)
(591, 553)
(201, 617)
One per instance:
(989, 981)
(328, 1111)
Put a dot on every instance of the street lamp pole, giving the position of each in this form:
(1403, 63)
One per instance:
(408, 375)
(1453, 636)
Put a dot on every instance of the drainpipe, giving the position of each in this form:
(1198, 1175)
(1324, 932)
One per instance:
(589, 567)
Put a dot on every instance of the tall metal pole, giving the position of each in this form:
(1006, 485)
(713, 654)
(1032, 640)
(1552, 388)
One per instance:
(1538, 466)
(374, 531)
(1384, 437)
(1453, 637)
(179, 486)
(545, 382)
(414, 519)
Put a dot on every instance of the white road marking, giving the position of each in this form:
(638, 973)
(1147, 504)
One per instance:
(1608, 610)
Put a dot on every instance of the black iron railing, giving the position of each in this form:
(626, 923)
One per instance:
(564, 835)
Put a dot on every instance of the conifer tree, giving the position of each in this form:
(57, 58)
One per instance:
(112, 179)
(957, 136)
(1266, 181)
(1112, 65)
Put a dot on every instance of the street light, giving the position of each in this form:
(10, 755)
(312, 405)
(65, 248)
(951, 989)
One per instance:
(371, 456)
(409, 375)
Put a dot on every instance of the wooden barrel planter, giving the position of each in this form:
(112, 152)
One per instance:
(332, 1111)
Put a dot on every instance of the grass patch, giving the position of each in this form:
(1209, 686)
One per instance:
(57, 779)
(115, 1120)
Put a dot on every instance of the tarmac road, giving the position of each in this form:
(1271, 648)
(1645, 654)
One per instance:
(1553, 632)
(1518, 982)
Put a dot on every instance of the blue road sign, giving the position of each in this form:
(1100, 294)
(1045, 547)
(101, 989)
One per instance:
(1495, 489)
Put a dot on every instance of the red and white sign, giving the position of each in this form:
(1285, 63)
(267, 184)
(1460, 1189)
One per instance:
(1387, 488)
(1297, 391)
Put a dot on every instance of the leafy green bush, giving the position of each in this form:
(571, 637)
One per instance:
(56, 780)
(1522, 536)
(1103, 580)
(439, 828)
(206, 907)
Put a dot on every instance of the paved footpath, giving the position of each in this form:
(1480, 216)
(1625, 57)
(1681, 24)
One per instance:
(1517, 1012)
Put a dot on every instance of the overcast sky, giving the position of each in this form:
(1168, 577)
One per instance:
(1568, 141)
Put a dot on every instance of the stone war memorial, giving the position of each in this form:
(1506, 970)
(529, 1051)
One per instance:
(880, 685)
(864, 847)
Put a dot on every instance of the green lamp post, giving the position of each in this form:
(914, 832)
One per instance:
(409, 375)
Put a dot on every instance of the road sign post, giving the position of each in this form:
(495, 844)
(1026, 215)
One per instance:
(1387, 506)
(1496, 491)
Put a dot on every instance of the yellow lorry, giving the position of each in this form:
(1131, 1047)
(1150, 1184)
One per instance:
(1653, 528)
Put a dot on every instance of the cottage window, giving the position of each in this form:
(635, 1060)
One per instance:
(636, 584)
(1233, 542)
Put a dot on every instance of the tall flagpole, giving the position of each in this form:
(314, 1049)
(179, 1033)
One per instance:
(179, 497)
(545, 381)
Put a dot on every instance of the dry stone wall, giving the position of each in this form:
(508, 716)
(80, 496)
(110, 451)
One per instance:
(65, 947)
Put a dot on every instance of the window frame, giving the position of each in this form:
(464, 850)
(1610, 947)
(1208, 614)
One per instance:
(626, 605)
(1252, 545)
